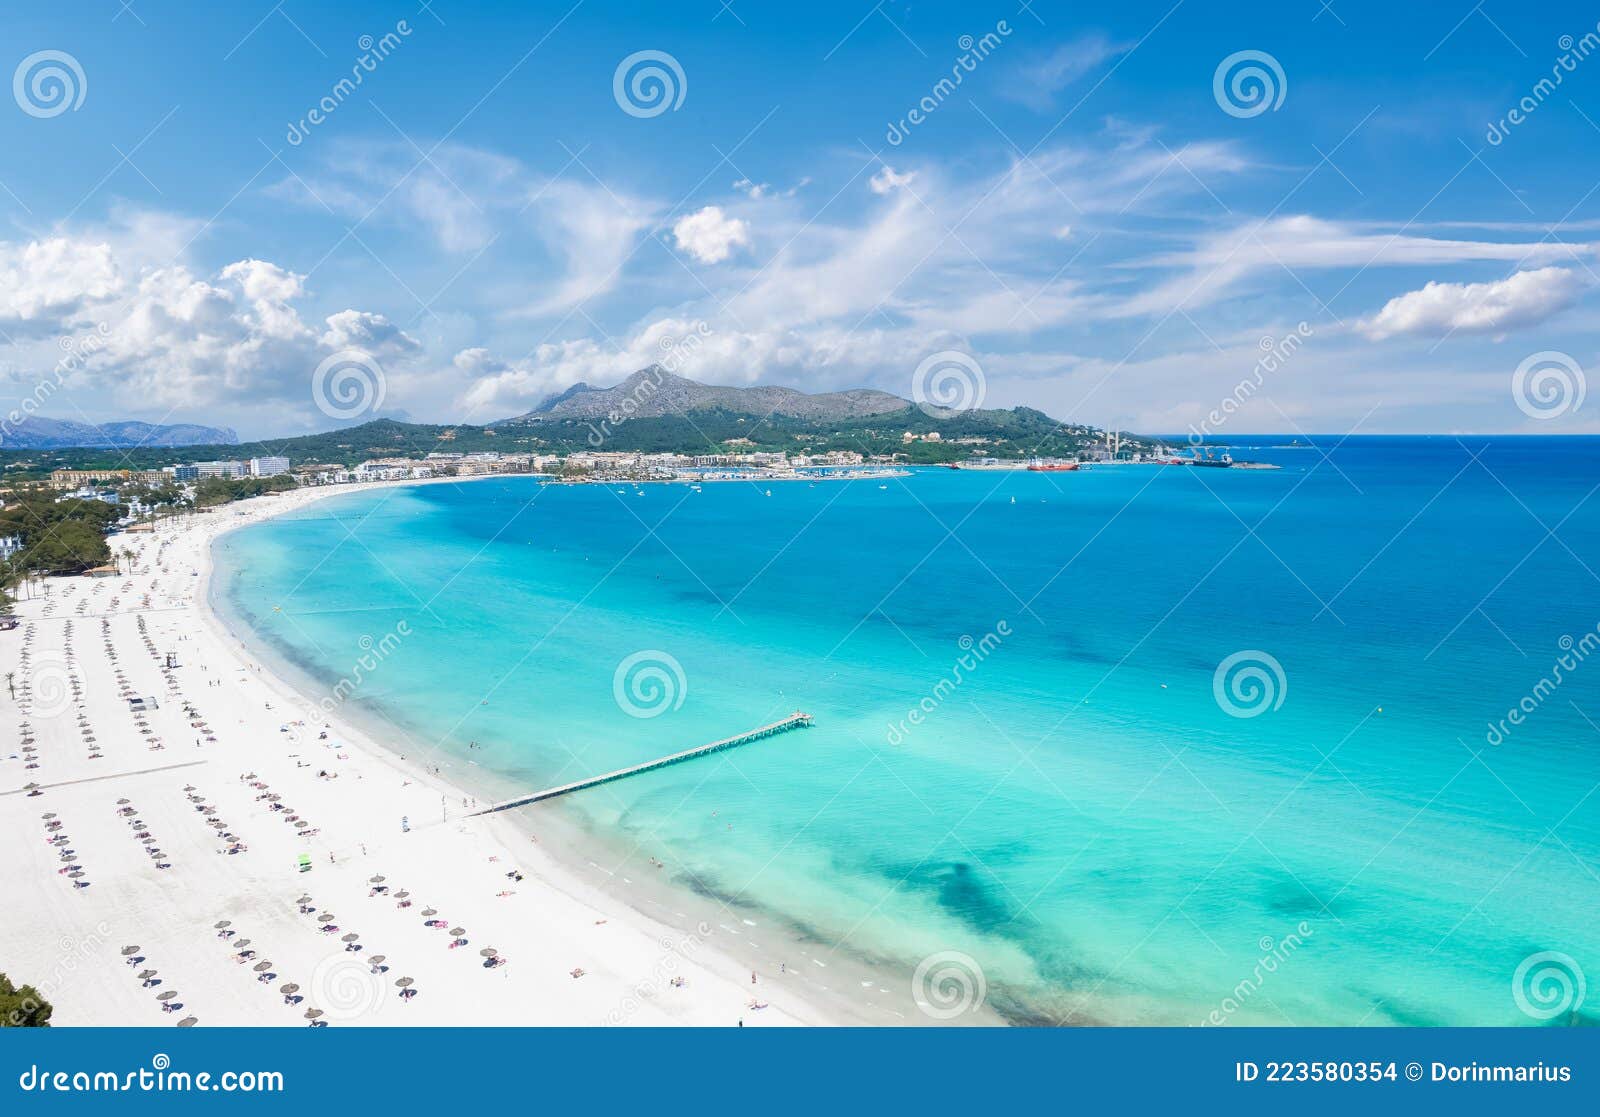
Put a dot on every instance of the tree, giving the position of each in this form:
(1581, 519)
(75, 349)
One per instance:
(59, 536)
(23, 1007)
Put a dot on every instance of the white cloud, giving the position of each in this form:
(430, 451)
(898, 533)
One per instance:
(1523, 299)
(569, 239)
(1040, 77)
(359, 329)
(759, 190)
(1222, 261)
(166, 338)
(44, 282)
(710, 235)
(888, 179)
(815, 358)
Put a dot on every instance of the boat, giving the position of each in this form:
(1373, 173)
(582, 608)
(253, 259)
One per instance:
(1204, 456)
(1052, 467)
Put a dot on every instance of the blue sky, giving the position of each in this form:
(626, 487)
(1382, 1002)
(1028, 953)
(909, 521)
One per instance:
(1084, 219)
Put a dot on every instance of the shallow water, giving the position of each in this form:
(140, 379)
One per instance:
(1080, 813)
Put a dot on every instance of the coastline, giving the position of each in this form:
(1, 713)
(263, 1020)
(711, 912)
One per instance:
(548, 923)
(573, 846)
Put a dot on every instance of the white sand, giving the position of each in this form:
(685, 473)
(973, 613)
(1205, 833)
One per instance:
(69, 941)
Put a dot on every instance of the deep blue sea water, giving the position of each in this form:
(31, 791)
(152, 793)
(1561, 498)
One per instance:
(1080, 813)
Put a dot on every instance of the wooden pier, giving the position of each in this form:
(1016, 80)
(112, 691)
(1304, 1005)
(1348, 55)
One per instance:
(796, 720)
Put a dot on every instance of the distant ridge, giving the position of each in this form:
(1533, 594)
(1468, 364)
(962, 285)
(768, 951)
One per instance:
(38, 433)
(654, 392)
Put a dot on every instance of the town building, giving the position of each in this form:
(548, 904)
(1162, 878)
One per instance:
(268, 466)
(78, 478)
(226, 470)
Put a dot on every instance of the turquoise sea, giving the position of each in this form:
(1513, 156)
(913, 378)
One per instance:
(1076, 807)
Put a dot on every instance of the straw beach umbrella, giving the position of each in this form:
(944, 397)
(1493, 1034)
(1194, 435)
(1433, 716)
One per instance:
(188, 1022)
(128, 951)
(167, 995)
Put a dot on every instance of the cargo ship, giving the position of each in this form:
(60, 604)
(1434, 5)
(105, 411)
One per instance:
(1052, 467)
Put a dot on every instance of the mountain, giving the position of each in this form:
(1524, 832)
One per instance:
(654, 392)
(37, 433)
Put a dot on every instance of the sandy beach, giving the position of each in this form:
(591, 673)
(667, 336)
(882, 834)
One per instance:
(155, 875)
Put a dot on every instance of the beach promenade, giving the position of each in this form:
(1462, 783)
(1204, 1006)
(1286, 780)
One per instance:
(203, 845)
